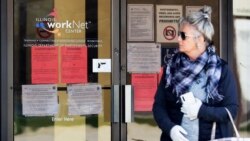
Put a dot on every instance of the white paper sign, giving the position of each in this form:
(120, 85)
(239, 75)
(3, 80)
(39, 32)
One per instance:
(140, 22)
(167, 18)
(242, 29)
(39, 100)
(190, 9)
(241, 8)
(144, 57)
(84, 99)
(101, 65)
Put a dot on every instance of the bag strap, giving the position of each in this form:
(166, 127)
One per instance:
(232, 121)
(213, 131)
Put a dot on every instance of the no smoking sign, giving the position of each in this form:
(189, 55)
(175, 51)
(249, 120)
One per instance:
(169, 33)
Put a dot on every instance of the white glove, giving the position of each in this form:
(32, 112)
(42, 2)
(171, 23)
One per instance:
(191, 110)
(177, 133)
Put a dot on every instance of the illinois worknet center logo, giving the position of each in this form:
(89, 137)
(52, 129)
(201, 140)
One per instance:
(52, 25)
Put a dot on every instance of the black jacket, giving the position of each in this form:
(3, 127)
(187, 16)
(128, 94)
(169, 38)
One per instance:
(167, 112)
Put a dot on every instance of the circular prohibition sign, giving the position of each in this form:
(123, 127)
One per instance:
(169, 33)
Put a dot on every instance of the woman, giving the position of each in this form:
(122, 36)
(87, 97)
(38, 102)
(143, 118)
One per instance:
(195, 68)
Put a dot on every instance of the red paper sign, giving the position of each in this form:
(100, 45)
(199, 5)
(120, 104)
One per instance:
(145, 86)
(74, 64)
(44, 65)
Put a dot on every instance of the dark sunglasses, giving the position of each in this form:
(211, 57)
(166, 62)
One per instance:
(183, 35)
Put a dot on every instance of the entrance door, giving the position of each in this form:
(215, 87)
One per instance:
(62, 70)
(151, 35)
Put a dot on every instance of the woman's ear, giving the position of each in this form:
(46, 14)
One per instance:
(201, 39)
(200, 42)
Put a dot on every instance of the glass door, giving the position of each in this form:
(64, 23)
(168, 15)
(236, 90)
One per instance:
(151, 28)
(62, 70)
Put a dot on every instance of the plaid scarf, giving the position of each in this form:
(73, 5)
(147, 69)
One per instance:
(181, 72)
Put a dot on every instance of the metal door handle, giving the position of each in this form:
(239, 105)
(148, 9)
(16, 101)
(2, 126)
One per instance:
(129, 104)
(115, 103)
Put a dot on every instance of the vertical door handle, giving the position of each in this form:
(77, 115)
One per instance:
(115, 103)
(129, 103)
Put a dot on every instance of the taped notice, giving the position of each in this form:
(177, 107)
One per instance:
(145, 86)
(39, 100)
(144, 57)
(74, 64)
(44, 65)
(84, 99)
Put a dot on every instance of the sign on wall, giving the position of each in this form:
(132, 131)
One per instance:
(190, 9)
(241, 7)
(144, 57)
(243, 55)
(145, 86)
(140, 22)
(167, 23)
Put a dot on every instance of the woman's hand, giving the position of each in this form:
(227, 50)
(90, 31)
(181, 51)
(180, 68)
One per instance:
(191, 110)
(177, 133)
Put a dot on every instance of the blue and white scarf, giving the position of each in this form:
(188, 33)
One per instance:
(181, 72)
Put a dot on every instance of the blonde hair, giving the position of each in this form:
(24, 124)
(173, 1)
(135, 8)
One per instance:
(201, 20)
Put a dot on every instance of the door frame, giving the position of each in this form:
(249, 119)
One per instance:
(115, 42)
(7, 70)
(226, 31)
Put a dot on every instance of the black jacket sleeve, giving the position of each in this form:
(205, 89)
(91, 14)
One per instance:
(160, 108)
